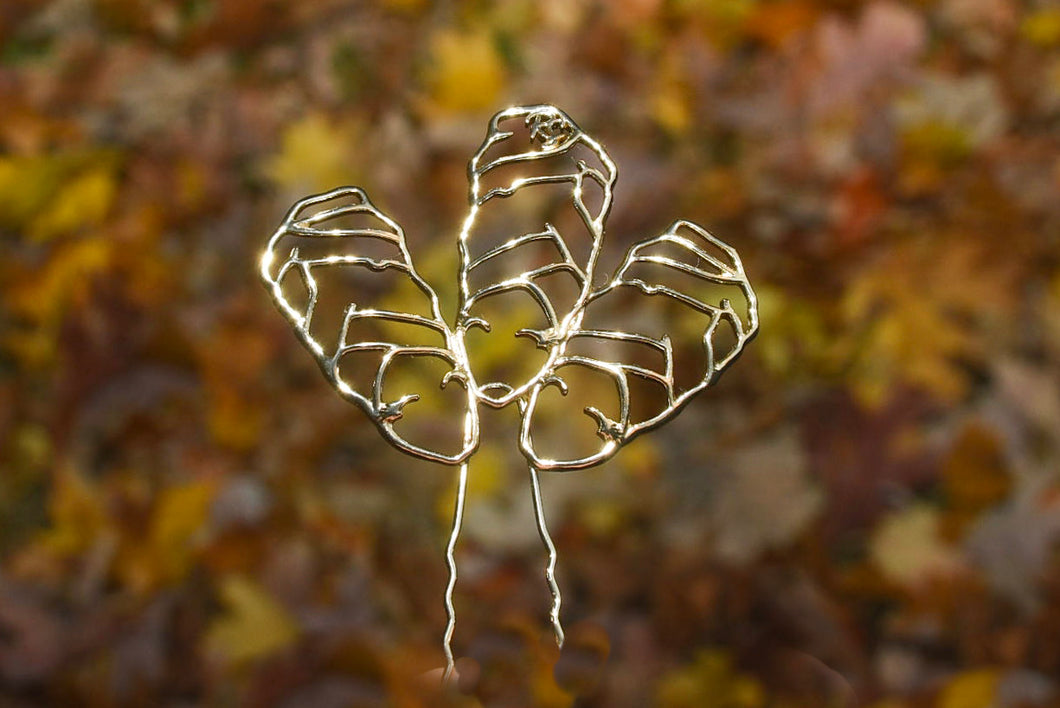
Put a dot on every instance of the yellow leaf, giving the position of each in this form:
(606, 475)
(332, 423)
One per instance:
(179, 514)
(316, 154)
(76, 512)
(492, 355)
(943, 142)
(165, 555)
(43, 297)
(642, 459)
(83, 201)
(931, 150)
(467, 72)
(191, 183)
(971, 689)
(917, 313)
(486, 479)
(794, 338)
(908, 548)
(31, 445)
(670, 106)
(1042, 27)
(26, 184)
(546, 692)
(603, 517)
(254, 626)
(711, 681)
(234, 421)
(67, 273)
(35, 187)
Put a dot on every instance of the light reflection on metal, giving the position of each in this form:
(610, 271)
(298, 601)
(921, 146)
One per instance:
(534, 136)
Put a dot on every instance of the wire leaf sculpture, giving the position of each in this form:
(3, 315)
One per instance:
(532, 156)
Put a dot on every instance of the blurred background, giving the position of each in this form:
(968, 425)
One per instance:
(865, 511)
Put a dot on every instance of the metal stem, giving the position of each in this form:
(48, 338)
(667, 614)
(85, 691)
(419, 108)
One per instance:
(550, 569)
(450, 559)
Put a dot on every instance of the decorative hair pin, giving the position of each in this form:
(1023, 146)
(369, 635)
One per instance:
(337, 246)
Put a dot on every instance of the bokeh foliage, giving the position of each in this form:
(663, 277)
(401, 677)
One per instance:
(865, 511)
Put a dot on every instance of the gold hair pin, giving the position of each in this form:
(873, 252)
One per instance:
(529, 151)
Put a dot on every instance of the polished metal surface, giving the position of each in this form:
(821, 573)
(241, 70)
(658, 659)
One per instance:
(526, 148)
